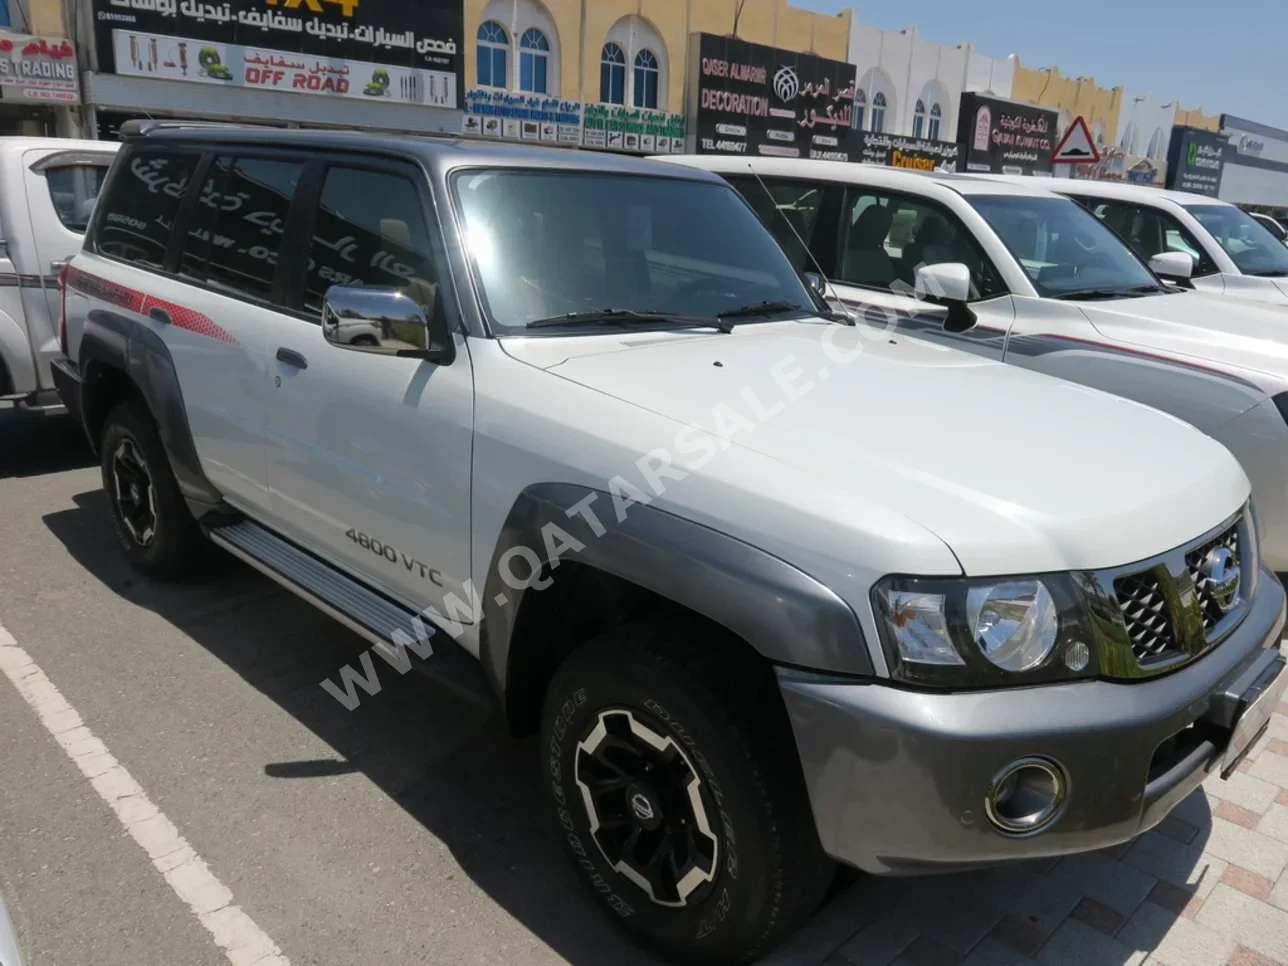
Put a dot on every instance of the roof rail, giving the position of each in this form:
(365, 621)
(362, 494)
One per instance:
(141, 128)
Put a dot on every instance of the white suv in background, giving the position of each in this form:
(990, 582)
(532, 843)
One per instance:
(1229, 251)
(47, 191)
(1022, 275)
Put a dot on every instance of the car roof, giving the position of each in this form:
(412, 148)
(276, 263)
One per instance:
(1106, 189)
(20, 144)
(439, 152)
(931, 183)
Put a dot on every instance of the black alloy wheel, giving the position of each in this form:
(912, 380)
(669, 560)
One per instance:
(134, 492)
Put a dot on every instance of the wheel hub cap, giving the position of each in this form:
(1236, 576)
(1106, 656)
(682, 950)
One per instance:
(648, 808)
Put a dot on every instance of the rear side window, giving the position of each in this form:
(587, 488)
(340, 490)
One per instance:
(789, 209)
(74, 190)
(235, 234)
(140, 208)
(370, 230)
(1150, 231)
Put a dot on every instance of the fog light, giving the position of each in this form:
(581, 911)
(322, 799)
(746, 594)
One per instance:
(1025, 796)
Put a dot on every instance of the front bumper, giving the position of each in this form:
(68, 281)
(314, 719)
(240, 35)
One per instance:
(897, 779)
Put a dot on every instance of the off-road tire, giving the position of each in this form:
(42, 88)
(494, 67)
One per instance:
(178, 547)
(724, 711)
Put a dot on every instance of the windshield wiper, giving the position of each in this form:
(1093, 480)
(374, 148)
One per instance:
(761, 308)
(1094, 294)
(631, 317)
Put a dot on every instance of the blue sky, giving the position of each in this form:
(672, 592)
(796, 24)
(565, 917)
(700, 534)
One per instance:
(1228, 57)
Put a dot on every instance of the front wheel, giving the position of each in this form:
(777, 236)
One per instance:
(678, 793)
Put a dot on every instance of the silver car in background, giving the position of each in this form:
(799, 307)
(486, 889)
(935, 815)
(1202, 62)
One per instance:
(1034, 279)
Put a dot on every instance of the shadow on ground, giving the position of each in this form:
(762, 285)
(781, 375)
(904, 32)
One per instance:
(33, 444)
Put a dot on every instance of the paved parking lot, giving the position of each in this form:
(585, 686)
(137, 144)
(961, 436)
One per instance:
(410, 831)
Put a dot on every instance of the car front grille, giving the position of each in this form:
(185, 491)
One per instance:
(1167, 611)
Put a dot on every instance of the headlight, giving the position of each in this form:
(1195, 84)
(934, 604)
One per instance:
(984, 633)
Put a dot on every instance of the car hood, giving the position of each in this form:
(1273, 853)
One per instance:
(1016, 472)
(1223, 332)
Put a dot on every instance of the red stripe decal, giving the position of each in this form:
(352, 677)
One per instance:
(181, 316)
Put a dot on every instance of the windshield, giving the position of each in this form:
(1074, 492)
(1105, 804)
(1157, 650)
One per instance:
(553, 243)
(1249, 244)
(1064, 249)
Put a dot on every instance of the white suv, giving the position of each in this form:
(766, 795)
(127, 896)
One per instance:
(773, 589)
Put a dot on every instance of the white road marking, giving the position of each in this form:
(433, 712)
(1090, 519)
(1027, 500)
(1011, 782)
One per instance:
(243, 942)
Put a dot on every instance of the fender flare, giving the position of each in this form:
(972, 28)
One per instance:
(788, 616)
(116, 342)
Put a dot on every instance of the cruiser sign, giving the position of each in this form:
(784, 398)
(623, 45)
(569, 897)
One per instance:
(915, 154)
(393, 49)
(1005, 137)
(746, 98)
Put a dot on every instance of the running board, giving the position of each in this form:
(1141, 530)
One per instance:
(356, 606)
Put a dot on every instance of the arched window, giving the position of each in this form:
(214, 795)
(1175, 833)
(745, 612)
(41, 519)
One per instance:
(644, 84)
(494, 48)
(919, 119)
(936, 119)
(612, 75)
(860, 109)
(878, 112)
(534, 57)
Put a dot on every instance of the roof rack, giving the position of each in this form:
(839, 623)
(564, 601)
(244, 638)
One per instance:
(137, 128)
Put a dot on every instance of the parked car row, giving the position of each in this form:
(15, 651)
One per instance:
(761, 506)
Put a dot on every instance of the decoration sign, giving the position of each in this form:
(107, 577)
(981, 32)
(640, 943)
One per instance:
(753, 99)
(892, 150)
(522, 117)
(37, 69)
(1005, 137)
(616, 128)
(381, 50)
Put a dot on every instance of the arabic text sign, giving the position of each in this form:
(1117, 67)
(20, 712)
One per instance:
(37, 68)
(1196, 160)
(618, 128)
(917, 154)
(1004, 136)
(230, 65)
(753, 99)
(425, 35)
(528, 117)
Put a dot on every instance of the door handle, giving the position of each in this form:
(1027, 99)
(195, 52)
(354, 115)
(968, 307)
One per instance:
(292, 358)
(158, 314)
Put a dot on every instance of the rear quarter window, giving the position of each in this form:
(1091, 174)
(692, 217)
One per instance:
(74, 190)
(140, 204)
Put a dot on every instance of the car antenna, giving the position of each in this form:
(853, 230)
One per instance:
(827, 283)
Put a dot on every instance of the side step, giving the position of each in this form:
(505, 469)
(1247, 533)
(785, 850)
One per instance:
(354, 605)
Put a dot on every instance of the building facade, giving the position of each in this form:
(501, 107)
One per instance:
(1071, 97)
(1256, 164)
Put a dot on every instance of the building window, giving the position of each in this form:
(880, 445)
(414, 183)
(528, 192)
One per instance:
(494, 47)
(936, 118)
(860, 109)
(644, 84)
(612, 75)
(919, 120)
(534, 58)
(878, 112)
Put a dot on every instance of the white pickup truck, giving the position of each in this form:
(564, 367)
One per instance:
(775, 589)
(48, 188)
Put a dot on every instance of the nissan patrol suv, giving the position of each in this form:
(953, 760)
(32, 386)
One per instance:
(775, 588)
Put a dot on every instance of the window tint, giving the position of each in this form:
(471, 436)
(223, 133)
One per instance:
(140, 209)
(1250, 246)
(74, 190)
(789, 209)
(370, 230)
(886, 238)
(237, 226)
(1150, 231)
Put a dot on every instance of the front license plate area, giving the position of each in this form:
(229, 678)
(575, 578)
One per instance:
(1255, 708)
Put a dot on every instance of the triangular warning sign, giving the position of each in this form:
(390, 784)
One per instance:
(1076, 147)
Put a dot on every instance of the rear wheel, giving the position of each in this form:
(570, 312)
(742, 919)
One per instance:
(679, 795)
(153, 526)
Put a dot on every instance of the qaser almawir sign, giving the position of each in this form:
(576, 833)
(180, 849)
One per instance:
(746, 98)
(401, 51)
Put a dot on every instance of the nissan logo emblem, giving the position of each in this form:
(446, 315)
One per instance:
(641, 806)
(1221, 568)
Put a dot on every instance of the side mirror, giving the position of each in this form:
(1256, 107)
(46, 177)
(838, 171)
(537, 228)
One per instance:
(817, 284)
(1173, 265)
(948, 284)
(384, 321)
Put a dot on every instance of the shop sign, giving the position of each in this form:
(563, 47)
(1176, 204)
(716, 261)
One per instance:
(1005, 137)
(381, 50)
(37, 69)
(521, 117)
(615, 128)
(1116, 165)
(917, 154)
(753, 99)
(1196, 160)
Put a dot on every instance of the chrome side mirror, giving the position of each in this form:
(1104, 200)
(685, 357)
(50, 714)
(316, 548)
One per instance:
(384, 321)
(948, 284)
(1173, 265)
